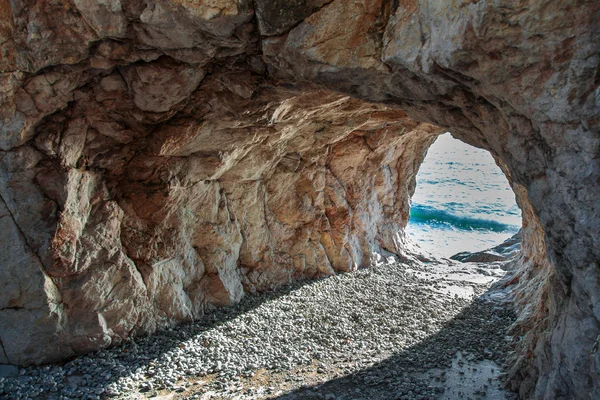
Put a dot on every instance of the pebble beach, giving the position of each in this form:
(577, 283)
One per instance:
(392, 331)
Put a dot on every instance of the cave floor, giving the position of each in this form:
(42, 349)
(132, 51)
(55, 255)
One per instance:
(432, 330)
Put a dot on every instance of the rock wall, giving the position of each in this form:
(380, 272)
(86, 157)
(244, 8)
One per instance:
(163, 157)
(133, 219)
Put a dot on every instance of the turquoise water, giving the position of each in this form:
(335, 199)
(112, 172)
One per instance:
(462, 201)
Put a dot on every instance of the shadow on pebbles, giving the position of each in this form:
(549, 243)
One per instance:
(392, 331)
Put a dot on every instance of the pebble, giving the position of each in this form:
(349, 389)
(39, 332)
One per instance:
(343, 324)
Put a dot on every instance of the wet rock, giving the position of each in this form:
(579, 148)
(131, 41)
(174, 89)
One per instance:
(508, 249)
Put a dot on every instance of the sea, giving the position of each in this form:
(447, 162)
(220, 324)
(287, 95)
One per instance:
(462, 202)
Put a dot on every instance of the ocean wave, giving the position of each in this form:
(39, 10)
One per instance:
(420, 214)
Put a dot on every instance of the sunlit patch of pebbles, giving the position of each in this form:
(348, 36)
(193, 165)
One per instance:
(350, 321)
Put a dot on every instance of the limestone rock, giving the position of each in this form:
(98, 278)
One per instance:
(161, 158)
(277, 17)
(157, 87)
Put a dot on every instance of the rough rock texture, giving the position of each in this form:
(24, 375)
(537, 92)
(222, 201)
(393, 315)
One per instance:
(247, 187)
(162, 157)
(507, 250)
(521, 80)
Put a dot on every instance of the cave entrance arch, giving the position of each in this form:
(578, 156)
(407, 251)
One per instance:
(462, 201)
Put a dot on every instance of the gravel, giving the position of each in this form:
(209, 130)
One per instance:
(390, 331)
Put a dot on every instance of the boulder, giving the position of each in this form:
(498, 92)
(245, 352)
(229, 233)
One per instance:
(505, 251)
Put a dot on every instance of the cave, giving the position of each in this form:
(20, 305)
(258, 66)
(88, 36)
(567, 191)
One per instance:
(163, 158)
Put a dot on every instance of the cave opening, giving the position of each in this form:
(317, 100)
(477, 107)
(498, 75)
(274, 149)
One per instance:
(463, 201)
